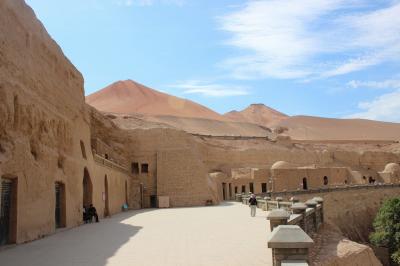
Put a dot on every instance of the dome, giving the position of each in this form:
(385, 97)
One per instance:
(392, 168)
(281, 165)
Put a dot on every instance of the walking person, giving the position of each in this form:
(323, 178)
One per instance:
(253, 205)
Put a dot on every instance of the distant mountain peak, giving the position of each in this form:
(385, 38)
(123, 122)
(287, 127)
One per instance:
(128, 96)
(257, 113)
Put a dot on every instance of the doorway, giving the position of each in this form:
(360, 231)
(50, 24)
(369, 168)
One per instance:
(305, 186)
(223, 191)
(60, 205)
(106, 198)
(8, 211)
(87, 189)
(153, 201)
(126, 192)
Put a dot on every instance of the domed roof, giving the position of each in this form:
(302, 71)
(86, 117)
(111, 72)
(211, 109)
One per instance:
(392, 168)
(281, 165)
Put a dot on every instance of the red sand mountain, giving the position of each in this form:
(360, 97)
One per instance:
(126, 97)
(257, 114)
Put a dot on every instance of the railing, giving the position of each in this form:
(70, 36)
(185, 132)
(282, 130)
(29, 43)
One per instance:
(103, 161)
(291, 224)
(330, 189)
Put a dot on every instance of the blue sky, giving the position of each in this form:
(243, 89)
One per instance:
(331, 58)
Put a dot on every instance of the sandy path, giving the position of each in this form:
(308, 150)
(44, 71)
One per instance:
(220, 235)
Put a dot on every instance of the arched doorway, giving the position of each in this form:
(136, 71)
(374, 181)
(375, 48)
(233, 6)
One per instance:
(305, 186)
(106, 200)
(326, 180)
(87, 197)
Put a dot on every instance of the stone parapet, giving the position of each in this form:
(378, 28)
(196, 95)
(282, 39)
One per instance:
(289, 243)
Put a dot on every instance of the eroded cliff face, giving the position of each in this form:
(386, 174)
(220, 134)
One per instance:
(42, 121)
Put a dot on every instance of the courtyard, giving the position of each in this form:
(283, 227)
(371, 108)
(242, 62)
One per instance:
(216, 235)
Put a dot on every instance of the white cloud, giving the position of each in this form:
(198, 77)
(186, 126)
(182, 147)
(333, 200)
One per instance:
(210, 89)
(293, 39)
(385, 108)
(386, 84)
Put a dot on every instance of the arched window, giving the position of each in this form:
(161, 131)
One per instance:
(325, 180)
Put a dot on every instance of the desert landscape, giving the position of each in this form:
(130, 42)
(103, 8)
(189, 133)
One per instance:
(128, 146)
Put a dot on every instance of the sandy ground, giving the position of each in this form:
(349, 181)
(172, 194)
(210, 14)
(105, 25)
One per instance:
(218, 235)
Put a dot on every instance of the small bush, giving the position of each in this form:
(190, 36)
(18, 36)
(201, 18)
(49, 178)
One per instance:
(387, 228)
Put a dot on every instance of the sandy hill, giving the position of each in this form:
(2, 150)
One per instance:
(160, 109)
(126, 97)
(319, 128)
(257, 114)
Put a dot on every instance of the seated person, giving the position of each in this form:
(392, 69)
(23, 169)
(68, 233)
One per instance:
(93, 213)
(86, 217)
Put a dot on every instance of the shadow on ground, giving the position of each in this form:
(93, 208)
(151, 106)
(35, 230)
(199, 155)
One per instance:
(86, 245)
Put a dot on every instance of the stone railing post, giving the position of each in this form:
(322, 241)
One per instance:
(300, 208)
(289, 243)
(278, 199)
(313, 205)
(277, 217)
(320, 201)
(266, 202)
(294, 200)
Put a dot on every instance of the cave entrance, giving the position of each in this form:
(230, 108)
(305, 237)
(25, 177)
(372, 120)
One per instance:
(8, 211)
(305, 186)
(87, 197)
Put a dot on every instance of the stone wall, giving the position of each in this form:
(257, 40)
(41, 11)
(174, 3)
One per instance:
(177, 178)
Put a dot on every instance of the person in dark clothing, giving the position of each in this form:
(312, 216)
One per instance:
(85, 214)
(93, 213)
(253, 205)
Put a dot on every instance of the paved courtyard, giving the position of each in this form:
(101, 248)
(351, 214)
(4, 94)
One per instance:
(218, 235)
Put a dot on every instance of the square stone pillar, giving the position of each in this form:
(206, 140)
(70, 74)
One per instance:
(278, 199)
(320, 201)
(277, 217)
(300, 208)
(313, 226)
(294, 200)
(266, 202)
(289, 242)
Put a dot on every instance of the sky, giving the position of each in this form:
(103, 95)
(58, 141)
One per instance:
(330, 58)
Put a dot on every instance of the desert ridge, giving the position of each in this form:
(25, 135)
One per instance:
(127, 97)
(130, 97)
